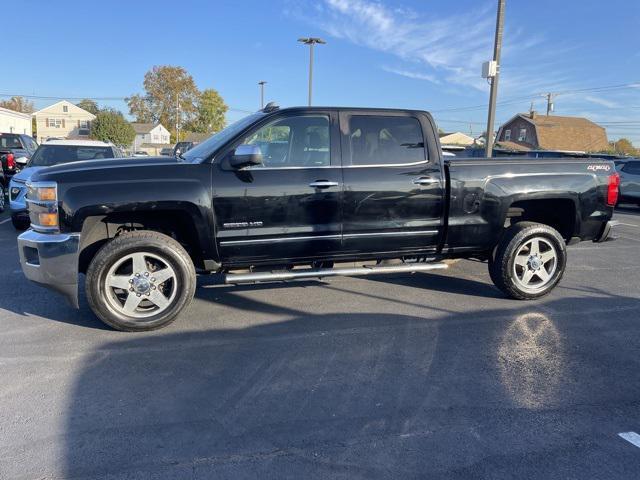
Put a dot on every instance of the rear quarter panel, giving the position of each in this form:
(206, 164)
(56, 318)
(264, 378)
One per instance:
(483, 190)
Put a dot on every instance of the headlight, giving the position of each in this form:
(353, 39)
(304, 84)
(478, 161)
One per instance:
(42, 199)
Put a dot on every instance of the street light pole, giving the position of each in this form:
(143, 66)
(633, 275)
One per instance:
(311, 41)
(261, 83)
(497, 47)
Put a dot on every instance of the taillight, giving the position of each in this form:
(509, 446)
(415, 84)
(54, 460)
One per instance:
(613, 189)
(11, 161)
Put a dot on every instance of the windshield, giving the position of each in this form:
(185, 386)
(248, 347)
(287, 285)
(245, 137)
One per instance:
(49, 155)
(211, 144)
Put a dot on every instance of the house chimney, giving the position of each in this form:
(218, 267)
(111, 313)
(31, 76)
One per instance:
(532, 114)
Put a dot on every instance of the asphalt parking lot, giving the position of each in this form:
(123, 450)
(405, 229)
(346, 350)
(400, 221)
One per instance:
(409, 376)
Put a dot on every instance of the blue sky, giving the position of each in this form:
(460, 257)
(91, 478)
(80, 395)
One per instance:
(422, 54)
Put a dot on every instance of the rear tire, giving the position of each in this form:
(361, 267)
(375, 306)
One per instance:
(529, 261)
(140, 281)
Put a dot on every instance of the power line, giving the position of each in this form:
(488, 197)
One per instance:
(98, 99)
(512, 100)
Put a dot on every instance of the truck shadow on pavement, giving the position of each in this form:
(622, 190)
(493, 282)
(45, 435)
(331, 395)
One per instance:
(496, 393)
(48, 305)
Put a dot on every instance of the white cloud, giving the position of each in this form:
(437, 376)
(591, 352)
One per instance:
(452, 48)
(411, 74)
(600, 101)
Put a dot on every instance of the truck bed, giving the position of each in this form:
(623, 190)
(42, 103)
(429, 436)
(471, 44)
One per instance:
(486, 193)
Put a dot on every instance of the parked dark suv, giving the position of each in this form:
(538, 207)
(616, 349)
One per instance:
(630, 181)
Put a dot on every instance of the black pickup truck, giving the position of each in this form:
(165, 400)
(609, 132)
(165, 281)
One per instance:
(304, 193)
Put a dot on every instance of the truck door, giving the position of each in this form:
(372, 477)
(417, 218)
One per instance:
(394, 190)
(289, 207)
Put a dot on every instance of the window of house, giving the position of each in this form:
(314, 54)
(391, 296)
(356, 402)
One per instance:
(507, 135)
(385, 140)
(300, 141)
(54, 123)
(83, 127)
(523, 135)
(65, 108)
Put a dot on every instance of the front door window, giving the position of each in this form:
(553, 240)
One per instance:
(301, 141)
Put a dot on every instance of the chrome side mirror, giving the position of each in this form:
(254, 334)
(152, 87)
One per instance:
(245, 156)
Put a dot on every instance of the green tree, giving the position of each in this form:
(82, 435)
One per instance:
(170, 95)
(89, 105)
(211, 111)
(18, 104)
(111, 126)
(625, 147)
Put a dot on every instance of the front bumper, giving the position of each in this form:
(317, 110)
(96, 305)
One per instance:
(51, 260)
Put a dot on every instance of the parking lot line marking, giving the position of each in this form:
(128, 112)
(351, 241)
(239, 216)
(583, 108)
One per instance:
(4, 221)
(629, 225)
(631, 437)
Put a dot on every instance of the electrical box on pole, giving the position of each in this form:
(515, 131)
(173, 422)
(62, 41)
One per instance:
(489, 69)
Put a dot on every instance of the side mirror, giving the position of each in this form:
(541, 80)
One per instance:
(245, 156)
(22, 160)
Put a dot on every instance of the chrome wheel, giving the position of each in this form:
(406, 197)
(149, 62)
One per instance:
(140, 285)
(535, 264)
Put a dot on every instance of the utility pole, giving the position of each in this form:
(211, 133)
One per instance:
(549, 97)
(261, 83)
(497, 47)
(311, 41)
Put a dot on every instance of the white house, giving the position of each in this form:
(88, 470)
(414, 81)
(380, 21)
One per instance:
(456, 138)
(14, 122)
(150, 133)
(63, 120)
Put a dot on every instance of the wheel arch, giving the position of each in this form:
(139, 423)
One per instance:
(560, 213)
(178, 224)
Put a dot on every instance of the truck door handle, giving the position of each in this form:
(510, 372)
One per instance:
(425, 181)
(323, 184)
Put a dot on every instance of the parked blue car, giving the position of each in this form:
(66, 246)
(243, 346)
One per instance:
(53, 152)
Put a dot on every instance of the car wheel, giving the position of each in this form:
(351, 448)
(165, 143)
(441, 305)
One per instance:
(19, 223)
(140, 281)
(529, 261)
(3, 200)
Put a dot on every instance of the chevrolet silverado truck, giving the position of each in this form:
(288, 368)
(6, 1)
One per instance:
(302, 193)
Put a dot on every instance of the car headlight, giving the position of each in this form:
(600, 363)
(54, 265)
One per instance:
(42, 200)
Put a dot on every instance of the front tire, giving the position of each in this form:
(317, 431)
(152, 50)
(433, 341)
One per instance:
(140, 281)
(529, 261)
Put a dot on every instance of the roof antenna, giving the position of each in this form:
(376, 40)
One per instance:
(270, 107)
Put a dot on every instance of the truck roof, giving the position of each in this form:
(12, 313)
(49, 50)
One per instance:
(324, 108)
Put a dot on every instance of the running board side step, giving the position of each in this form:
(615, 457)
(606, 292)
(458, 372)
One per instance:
(330, 272)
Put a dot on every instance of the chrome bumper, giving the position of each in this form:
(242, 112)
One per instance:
(51, 260)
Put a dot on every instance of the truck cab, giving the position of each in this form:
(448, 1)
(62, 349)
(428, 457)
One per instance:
(329, 182)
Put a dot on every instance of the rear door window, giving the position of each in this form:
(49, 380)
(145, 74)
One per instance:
(10, 141)
(385, 140)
